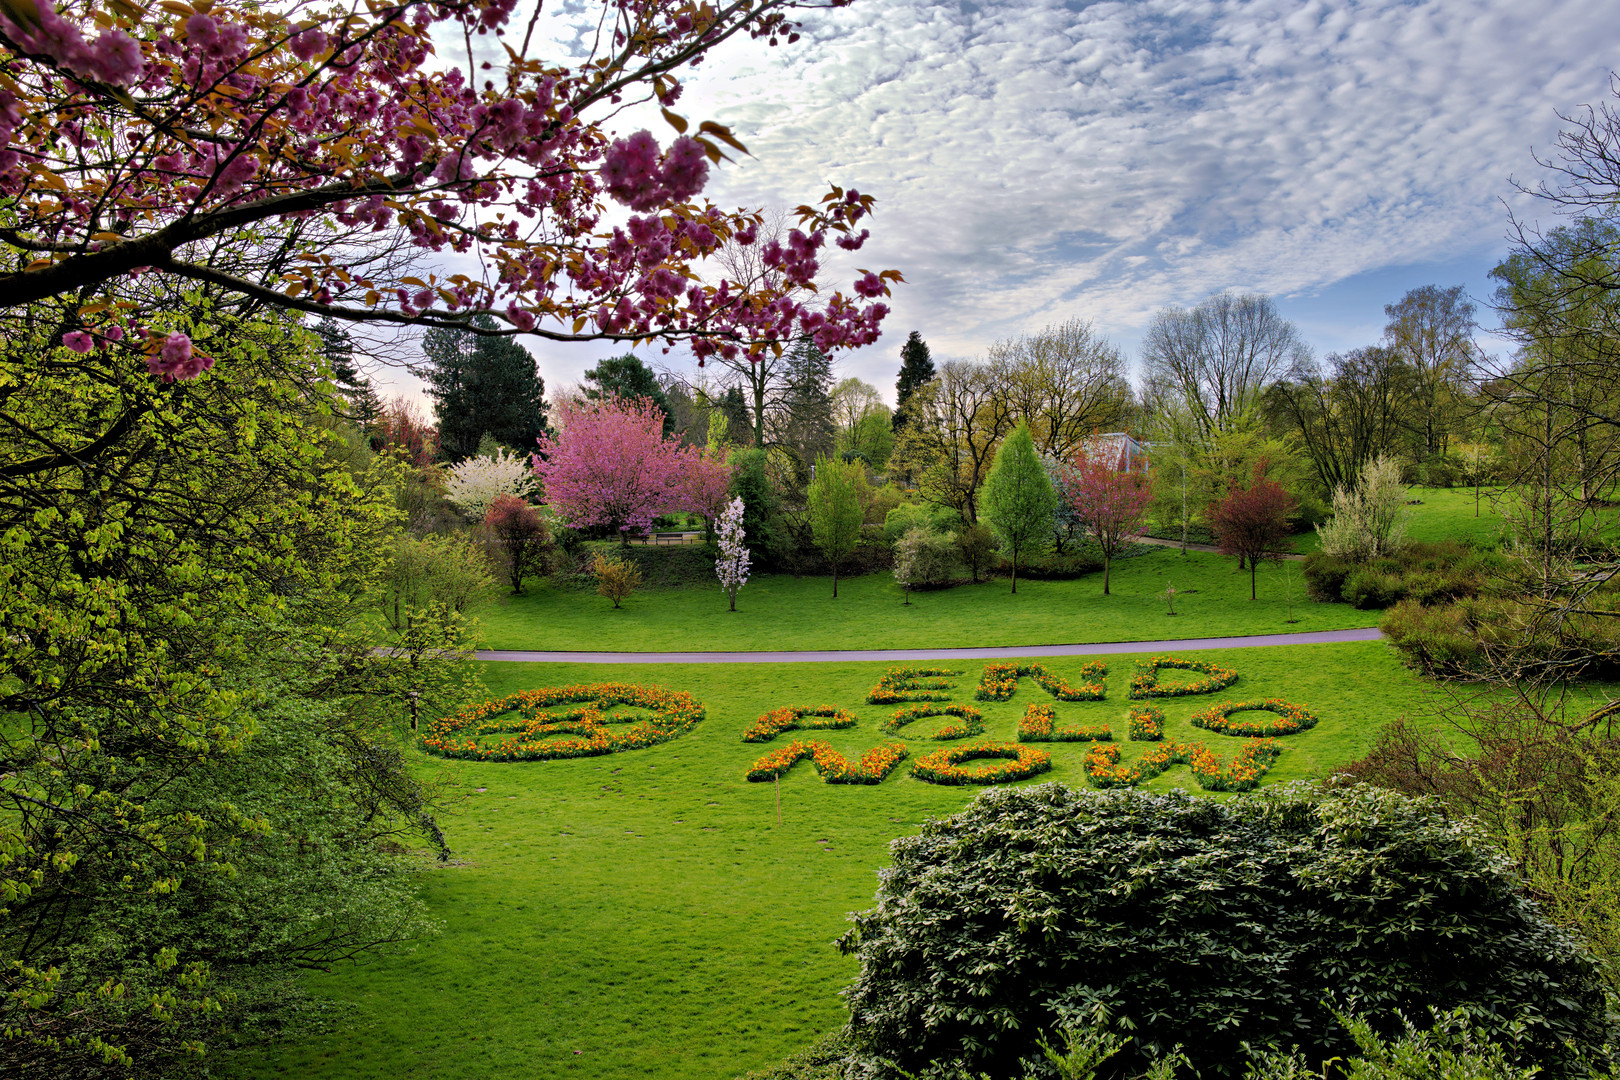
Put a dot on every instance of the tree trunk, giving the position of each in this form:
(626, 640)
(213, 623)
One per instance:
(1107, 566)
(835, 581)
(1252, 564)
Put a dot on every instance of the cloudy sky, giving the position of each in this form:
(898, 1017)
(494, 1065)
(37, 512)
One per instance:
(1036, 161)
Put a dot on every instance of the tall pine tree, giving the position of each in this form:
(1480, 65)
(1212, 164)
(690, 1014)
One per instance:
(482, 383)
(916, 368)
(362, 406)
(807, 428)
(627, 377)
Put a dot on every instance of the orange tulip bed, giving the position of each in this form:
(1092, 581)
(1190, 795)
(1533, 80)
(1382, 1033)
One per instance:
(834, 767)
(582, 732)
(1000, 680)
(912, 684)
(1290, 718)
(796, 718)
(1145, 683)
(972, 720)
(944, 766)
(1242, 773)
(1146, 723)
(1040, 725)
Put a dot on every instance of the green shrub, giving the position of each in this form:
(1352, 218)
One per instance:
(1209, 925)
(1053, 567)
(1372, 587)
(1324, 576)
(1435, 640)
(907, 516)
(821, 1060)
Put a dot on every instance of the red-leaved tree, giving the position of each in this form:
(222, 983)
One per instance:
(1110, 505)
(522, 537)
(612, 465)
(1252, 522)
(257, 150)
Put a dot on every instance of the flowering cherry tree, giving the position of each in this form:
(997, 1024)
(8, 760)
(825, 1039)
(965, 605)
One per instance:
(732, 565)
(472, 485)
(1110, 504)
(612, 465)
(142, 139)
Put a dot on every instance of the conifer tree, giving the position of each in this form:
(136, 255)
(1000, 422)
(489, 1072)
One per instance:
(628, 377)
(916, 368)
(480, 383)
(362, 406)
(808, 431)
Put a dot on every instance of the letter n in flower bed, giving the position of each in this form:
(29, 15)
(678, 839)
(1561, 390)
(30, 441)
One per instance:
(1000, 680)
(834, 767)
(1040, 725)
(944, 766)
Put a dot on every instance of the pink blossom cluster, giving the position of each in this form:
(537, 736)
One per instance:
(175, 360)
(113, 57)
(347, 116)
(612, 465)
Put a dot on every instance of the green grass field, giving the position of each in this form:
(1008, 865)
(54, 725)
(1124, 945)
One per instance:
(781, 612)
(642, 914)
(1444, 514)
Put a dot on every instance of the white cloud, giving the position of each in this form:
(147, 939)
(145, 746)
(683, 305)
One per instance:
(1037, 160)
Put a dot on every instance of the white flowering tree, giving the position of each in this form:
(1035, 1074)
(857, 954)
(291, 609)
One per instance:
(732, 565)
(477, 482)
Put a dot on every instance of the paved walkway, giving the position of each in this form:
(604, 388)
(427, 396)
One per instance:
(1096, 649)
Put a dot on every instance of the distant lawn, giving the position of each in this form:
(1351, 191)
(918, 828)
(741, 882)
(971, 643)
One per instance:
(781, 612)
(642, 915)
(1444, 514)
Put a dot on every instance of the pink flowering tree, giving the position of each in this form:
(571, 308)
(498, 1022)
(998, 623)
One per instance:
(613, 466)
(708, 486)
(1109, 503)
(281, 154)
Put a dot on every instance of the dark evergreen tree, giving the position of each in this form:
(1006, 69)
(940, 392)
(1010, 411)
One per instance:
(482, 383)
(916, 368)
(739, 428)
(807, 428)
(361, 404)
(627, 377)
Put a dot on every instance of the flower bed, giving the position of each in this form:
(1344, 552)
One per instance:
(912, 684)
(1040, 725)
(584, 732)
(1145, 683)
(1000, 680)
(1243, 773)
(795, 718)
(943, 766)
(1146, 723)
(834, 767)
(972, 720)
(1290, 718)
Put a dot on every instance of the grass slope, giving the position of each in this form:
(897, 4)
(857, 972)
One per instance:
(642, 915)
(1443, 514)
(780, 612)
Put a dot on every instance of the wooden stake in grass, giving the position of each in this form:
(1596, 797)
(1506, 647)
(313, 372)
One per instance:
(778, 800)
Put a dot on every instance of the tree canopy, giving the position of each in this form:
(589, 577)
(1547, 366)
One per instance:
(482, 384)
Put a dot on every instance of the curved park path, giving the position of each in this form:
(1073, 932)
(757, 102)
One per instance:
(1320, 637)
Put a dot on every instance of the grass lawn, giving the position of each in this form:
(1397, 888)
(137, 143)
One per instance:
(642, 914)
(781, 612)
(1444, 514)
